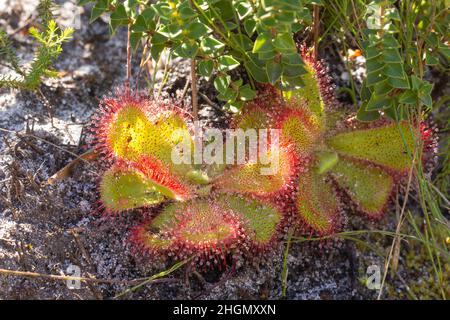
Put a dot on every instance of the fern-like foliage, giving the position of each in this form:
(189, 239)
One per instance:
(8, 53)
(49, 42)
(50, 46)
(45, 11)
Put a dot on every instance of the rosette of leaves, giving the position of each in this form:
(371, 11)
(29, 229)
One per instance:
(325, 165)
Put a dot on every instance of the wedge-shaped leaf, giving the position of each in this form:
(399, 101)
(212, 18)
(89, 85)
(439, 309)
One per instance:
(309, 93)
(368, 186)
(135, 130)
(123, 189)
(395, 70)
(399, 83)
(263, 43)
(154, 235)
(128, 132)
(260, 219)
(379, 102)
(384, 145)
(252, 117)
(171, 142)
(392, 56)
(195, 227)
(316, 203)
(374, 77)
(367, 116)
(300, 127)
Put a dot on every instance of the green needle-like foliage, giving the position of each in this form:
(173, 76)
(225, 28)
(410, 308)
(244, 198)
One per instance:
(49, 39)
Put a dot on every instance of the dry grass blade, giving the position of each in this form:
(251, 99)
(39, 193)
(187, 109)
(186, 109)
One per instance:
(6, 272)
(67, 170)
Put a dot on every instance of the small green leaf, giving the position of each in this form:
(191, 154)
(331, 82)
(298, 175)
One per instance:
(294, 71)
(228, 95)
(234, 106)
(392, 55)
(392, 14)
(221, 83)
(162, 9)
(227, 63)
(258, 73)
(196, 30)
(173, 31)
(242, 40)
(285, 43)
(140, 24)
(118, 17)
(389, 41)
(394, 70)
(246, 93)
(263, 43)
(274, 71)
(209, 45)
(382, 88)
(431, 60)
(367, 116)
(399, 83)
(187, 13)
(372, 52)
(205, 68)
(444, 50)
(186, 50)
(250, 26)
(378, 102)
(135, 38)
(148, 14)
(100, 7)
(225, 8)
(416, 82)
(373, 77)
(408, 97)
(158, 38)
(243, 9)
(267, 55)
(291, 59)
(424, 94)
(155, 51)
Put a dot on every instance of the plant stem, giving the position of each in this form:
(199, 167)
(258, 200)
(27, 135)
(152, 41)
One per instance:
(316, 28)
(194, 90)
(127, 81)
